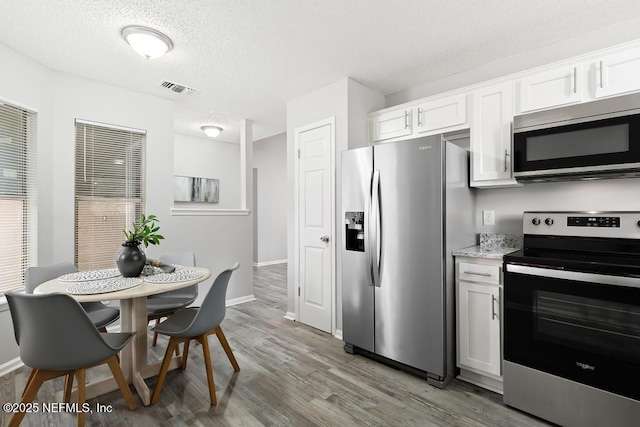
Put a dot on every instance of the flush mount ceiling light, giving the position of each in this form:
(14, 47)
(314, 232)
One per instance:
(211, 131)
(146, 41)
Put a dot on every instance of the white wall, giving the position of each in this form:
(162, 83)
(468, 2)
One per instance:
(27, 83)
(214, 159)
(585, 43)
(59, 99)
(270, 161)
(348, 102)
(509, 203)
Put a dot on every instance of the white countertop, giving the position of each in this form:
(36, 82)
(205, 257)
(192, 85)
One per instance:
(484, 252)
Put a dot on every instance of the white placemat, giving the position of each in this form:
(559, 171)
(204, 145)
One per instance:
(104, 286)
(83, 276)
(181, 275)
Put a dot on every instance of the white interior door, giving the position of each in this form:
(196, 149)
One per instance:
(315, 207)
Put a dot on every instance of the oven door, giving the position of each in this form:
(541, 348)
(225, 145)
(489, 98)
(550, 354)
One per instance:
(580, 326)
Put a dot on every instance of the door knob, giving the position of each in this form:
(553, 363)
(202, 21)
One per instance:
(324, 239)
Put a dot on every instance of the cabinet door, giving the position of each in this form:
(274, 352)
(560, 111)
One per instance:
(391, 124)
(491, 134)
(618, 73)
(551, 89)
(442, 114)
(479, 327)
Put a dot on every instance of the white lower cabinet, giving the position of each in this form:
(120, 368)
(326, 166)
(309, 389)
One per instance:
(479, 321)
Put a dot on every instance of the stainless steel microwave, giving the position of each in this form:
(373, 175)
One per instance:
(598, 139)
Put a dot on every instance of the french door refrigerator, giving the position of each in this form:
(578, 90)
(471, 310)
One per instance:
(406, 206)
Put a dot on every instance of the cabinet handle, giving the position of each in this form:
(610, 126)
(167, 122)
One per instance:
(575, 79)
(419, 117)
(477, 274)
(493, 310)
(601, 74)
(506, 155)
(406, 119)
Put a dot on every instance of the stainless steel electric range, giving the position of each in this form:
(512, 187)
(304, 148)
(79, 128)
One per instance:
(572, 319)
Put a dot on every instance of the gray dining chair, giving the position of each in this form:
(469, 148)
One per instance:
(57, 338)
(101, 315)
(197, 324)
(168, 303)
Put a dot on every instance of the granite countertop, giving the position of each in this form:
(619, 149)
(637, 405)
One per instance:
(492, 246)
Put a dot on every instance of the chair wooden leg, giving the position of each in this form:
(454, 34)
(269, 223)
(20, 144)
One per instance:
(227, 349)
(164, 368)
(114, 365)
(31, 390)
(68, 385)
(155, 334)
(103, 329)
(207, 363)
(80, 377)
(31, 375)
(185, 354)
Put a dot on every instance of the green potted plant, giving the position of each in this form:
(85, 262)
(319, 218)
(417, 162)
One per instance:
(131, 259)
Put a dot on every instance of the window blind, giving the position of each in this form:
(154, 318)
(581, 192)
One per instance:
(18, 195)
(109, 190)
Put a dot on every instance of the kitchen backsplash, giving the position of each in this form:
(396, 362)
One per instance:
(498, 240)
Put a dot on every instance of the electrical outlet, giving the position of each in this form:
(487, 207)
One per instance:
(488, 218)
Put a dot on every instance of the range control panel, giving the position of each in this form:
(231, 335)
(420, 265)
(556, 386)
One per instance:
(593, 221)
(622, 225)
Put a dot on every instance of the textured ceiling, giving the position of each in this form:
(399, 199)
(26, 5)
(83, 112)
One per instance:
(247, 58)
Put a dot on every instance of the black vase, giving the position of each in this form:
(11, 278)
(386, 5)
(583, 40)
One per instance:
(131, 260)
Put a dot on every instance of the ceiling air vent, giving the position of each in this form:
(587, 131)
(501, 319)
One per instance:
(177, 88)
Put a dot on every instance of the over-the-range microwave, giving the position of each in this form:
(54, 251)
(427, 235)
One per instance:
(598, 139)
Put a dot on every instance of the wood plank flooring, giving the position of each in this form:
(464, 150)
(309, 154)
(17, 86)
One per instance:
(291, 375)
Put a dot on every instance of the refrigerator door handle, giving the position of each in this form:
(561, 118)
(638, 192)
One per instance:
(374, 228)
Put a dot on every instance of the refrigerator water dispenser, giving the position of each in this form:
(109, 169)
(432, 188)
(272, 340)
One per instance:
(354, 231)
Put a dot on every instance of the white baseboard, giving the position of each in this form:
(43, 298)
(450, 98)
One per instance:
(240, 300)
(10, 366)
(265, 263)
(338, 334)
(290, 316)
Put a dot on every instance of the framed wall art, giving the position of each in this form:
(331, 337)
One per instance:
(197, 190)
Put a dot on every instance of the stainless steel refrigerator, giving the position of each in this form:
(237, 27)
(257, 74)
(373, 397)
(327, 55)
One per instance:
(406, 206)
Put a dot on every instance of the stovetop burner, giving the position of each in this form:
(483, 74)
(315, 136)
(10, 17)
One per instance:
(593, 242)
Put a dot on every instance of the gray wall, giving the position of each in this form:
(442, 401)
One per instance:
(59, 99)
(270, 161)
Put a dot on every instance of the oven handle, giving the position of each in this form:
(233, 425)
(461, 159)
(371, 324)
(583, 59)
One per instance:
(604, 279)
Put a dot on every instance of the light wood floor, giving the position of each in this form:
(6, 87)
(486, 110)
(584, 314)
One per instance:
(291, 375)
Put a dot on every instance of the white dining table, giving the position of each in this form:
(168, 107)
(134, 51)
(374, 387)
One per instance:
(133, 318)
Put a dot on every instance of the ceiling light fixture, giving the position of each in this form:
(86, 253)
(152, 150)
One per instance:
(211, 131)
(146, 41)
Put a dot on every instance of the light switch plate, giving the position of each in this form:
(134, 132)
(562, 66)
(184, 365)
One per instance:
(488, 218)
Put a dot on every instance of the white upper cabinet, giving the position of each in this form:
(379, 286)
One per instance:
(390, 124)
(491, 163)
(597, 77)
(617, 73)
(552, 88)
(442, 114)
(419, 119)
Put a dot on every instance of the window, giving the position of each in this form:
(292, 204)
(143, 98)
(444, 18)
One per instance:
(18, 195)
(109, 190)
